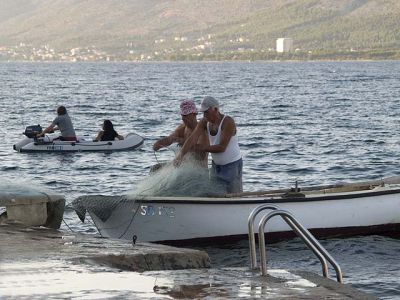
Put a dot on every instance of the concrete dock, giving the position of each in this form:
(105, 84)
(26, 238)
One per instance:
(42, 263)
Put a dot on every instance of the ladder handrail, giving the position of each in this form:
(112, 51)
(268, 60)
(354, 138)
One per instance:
(252, 243)
(252, 240)
(304, 234)
(295, 228)
(318, 245)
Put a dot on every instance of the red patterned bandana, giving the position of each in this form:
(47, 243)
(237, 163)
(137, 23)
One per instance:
(188, 107)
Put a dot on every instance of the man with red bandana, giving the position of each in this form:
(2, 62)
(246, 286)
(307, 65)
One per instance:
(183, 131)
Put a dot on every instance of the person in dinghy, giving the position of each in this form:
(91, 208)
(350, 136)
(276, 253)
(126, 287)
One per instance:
(182, 132)
(108, 133)
(63, 123)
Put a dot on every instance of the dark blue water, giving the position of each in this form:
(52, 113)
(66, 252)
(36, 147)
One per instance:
(318, 123)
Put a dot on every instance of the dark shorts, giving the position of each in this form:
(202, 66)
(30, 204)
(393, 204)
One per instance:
(61, 138)
(230, 175)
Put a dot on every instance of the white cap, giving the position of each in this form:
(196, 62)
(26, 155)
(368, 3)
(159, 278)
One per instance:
(208, 102)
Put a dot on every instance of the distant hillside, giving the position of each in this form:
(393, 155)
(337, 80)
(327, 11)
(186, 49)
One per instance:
(156, 27)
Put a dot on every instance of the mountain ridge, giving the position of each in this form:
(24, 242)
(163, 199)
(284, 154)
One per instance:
(211, 26)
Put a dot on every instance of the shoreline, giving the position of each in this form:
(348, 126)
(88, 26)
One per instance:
(199, 61)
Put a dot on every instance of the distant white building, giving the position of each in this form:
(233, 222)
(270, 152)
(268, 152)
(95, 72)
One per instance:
(181, 38)
(284, 45)
(75, 51)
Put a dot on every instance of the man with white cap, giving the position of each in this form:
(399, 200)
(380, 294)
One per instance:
(223, 145)
(183, 131)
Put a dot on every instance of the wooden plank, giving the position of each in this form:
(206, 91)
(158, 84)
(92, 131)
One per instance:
(333, 188)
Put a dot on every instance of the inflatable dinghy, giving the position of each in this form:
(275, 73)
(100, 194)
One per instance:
(50, 143)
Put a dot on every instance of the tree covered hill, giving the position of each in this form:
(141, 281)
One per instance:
(200, 26)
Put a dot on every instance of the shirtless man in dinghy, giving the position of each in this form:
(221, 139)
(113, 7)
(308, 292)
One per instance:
(183, 131)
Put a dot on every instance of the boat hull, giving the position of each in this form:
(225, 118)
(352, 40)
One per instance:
(130, 142)
(185, 220)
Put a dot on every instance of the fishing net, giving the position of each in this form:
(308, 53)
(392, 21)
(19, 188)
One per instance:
(21, 188)
(189, 180)
(99, 205)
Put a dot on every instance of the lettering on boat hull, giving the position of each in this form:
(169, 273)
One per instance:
(150, 210)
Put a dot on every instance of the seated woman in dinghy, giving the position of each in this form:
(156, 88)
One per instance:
(108, 133)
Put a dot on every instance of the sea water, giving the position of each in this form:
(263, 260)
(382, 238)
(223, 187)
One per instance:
(311, 122)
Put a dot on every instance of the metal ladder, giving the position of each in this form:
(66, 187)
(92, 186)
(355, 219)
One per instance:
(299, 229)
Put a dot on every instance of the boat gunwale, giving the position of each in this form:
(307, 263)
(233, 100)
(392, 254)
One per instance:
(263, 199)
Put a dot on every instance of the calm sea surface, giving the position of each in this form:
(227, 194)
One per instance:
(318, 123)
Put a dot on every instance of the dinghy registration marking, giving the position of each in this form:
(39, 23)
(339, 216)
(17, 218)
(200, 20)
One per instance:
(54, 148)
(150, 210)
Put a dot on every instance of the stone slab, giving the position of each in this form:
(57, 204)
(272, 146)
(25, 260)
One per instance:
(41, 263)
(32, 207)
(19, 242)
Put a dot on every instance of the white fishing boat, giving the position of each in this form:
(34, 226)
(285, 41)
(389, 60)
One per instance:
(338, 210)
(50, 143)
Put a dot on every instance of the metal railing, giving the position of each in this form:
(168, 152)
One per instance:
(252, 239)
(300, 230)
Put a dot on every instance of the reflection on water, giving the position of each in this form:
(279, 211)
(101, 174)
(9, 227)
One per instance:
(369, 263)
(185, 291)
(73, 281)
(237, 283)
(52, 279)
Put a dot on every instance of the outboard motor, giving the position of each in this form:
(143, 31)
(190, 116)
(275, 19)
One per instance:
(32, 131)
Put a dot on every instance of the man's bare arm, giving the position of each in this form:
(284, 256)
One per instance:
(174, 137)
(191, 141)
(51, 128)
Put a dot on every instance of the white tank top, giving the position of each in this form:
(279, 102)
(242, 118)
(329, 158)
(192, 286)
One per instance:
(232, 151)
